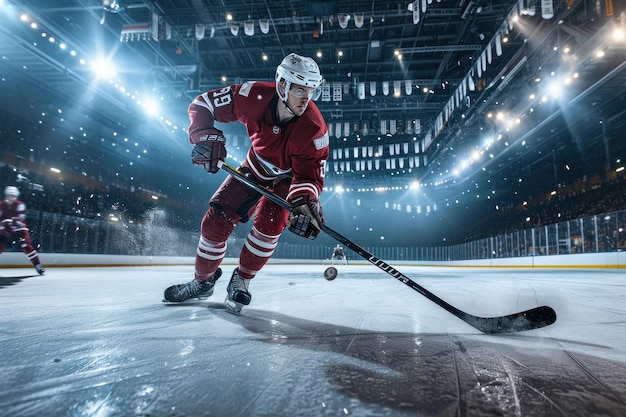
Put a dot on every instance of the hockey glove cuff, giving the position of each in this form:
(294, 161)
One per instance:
(209, 149)
(306, 218)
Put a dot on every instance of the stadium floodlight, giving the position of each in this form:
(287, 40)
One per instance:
(151, 107)
(104, 69)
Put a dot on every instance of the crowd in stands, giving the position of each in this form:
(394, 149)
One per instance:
(585, 198)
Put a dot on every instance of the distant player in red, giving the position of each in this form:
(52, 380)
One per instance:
(288, 154)
(13, 226)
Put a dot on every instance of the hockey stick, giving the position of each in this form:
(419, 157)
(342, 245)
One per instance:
(526, 320)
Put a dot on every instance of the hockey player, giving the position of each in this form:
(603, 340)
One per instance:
(289, 149)
(13, 226)
(339, 254)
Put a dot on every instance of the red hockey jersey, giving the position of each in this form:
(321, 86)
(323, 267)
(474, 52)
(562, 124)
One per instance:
(298, 148)
(13, 216)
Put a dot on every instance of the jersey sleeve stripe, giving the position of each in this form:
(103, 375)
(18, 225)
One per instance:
(205, 102)
(303, 188)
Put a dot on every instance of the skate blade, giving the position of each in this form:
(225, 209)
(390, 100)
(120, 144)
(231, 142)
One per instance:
(165, 300)
(232, 306)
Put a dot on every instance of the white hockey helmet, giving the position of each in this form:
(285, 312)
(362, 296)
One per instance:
(300, 70)
(12, 191)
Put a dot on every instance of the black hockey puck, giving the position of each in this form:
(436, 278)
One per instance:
(330, 273)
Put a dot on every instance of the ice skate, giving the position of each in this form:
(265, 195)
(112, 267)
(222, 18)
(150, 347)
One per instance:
(40, 269)
(194, 289)
(238, 295)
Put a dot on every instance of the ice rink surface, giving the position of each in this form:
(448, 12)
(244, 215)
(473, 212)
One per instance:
(100, 342)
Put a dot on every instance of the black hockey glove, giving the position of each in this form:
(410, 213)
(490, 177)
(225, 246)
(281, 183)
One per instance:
(306, 218)
(208, 151)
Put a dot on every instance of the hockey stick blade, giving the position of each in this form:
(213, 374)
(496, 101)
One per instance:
(534, 318)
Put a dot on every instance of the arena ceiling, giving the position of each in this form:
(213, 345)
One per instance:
(413, 89)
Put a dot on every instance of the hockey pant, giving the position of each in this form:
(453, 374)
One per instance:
(22, 236)
(231, 204)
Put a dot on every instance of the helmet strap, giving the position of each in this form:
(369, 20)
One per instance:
(285, 115)
(284, 96)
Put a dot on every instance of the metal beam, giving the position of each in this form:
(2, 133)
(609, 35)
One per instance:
(448, 48)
